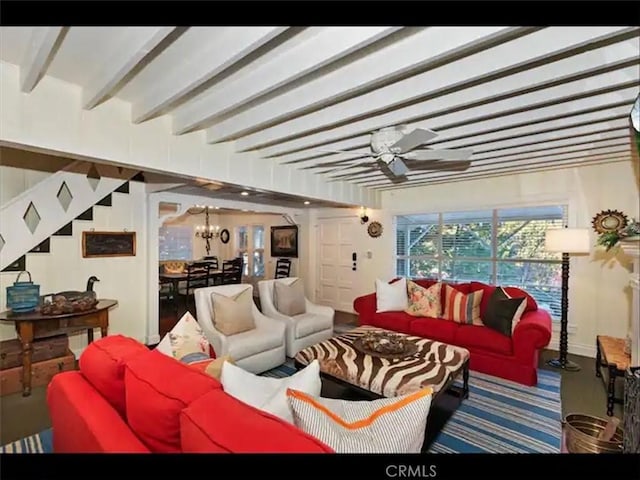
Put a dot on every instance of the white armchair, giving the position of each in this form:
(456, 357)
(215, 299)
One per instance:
(257, 350)
(311, 327)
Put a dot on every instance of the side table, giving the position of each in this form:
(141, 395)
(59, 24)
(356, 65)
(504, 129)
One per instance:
(610, 354)
(31, 326)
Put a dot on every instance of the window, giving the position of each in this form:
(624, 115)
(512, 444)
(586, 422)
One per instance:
(176, 242)
(243, 243)
(258, 251)
(501, 246)
(251, 249)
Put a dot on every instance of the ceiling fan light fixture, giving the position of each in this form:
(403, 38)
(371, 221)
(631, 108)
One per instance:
(382, 139)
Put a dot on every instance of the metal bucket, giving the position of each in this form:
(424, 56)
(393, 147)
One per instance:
(582, 433)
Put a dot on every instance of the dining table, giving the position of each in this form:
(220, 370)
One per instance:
(174, 278)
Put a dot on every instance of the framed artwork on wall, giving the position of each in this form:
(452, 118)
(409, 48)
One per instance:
(108, 244)
(284, 241)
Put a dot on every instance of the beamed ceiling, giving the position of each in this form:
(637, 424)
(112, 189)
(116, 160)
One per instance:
(521, 98)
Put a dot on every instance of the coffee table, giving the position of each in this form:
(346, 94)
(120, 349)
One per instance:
(435, 364)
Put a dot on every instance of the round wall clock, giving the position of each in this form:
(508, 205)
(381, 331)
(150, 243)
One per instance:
(609, 221)
(224, 236)
(374, 229)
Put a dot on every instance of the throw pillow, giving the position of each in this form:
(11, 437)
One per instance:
(211, 367)
(186, 338)
(288, 298)
(503, 312)
(270, 394)
(391, 297)
(387, 425)
(232, 315)
(462, 308)
(424, 302)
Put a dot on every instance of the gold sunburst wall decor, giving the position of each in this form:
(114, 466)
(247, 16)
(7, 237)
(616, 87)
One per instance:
(608, 221)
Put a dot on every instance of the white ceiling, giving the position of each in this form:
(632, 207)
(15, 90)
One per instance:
(521, 98)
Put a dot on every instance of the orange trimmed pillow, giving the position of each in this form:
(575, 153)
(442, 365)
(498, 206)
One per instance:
(386, 425)
(461, 307)
(424, 302)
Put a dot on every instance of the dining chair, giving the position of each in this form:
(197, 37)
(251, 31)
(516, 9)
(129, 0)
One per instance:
(197, 277)
(231, 271)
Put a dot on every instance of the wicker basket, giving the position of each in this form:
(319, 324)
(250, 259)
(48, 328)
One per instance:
(23, 296)
(582, 435)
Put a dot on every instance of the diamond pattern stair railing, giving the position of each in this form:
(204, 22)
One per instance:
(37, 213)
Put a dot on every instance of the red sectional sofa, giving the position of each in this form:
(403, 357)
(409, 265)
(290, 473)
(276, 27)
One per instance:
(128, 399)
(513, 358)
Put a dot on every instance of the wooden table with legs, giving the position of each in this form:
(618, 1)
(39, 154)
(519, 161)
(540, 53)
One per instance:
(33, 325)
(610, 354)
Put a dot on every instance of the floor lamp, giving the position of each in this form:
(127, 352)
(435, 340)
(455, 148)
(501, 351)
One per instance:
(566, 241)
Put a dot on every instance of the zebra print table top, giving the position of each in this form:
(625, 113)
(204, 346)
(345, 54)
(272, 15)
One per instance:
(433, 365)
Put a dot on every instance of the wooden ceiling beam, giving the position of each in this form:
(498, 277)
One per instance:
(38, 55)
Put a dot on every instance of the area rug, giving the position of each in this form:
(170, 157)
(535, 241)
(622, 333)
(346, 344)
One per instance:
(498, 417)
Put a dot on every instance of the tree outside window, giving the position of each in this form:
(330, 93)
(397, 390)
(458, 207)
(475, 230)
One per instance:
(500, 246)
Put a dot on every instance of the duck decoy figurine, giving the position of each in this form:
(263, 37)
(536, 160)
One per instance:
(75, 295)
(70, 301)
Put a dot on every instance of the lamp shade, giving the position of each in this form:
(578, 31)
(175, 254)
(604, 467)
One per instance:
(567, 240)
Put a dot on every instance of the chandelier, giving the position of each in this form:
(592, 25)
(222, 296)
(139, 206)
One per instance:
(206, 231)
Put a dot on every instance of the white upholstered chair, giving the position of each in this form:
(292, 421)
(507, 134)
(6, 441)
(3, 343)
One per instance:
(257, 350)
(313, 326)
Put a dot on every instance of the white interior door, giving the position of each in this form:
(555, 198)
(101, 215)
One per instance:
(336, 277)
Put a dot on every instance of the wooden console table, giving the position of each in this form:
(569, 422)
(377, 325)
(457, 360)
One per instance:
(33, 325)
(610, 354)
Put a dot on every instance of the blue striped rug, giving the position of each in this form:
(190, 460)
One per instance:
(498, 417)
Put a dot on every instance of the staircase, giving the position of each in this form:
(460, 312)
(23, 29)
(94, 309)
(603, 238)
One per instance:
(48, 209)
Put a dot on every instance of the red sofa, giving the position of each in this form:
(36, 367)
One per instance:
(513, 358)
(126, 398)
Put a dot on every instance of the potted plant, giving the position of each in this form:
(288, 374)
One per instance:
(610, 239)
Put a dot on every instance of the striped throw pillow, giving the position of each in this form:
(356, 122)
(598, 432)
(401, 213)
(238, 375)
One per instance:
(462, 308)
(387, 425)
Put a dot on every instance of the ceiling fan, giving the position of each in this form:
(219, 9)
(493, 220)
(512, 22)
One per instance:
(394, 151)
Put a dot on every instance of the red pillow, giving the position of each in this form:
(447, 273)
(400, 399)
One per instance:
(102, 365)
(158, 388)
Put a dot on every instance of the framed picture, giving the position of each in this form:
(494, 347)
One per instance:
(108, 244)
(284, 241)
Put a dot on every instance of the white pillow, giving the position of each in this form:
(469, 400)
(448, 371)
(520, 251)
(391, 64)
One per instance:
(270, 394)
(391, 297)
(386, 425)
(184, 338)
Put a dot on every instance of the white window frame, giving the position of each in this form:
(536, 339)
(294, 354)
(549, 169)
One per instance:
(249, 266)
(493, 259)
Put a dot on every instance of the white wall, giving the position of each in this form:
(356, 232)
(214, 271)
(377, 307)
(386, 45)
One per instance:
(14, 181)
(121, 278)
(22, 169)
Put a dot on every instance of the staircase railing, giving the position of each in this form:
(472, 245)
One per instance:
(37, 213)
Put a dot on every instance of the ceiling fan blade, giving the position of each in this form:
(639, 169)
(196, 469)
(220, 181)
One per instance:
(412, 140)
(454, 166)
(398, 179)
(443, 154)
(390, 171)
